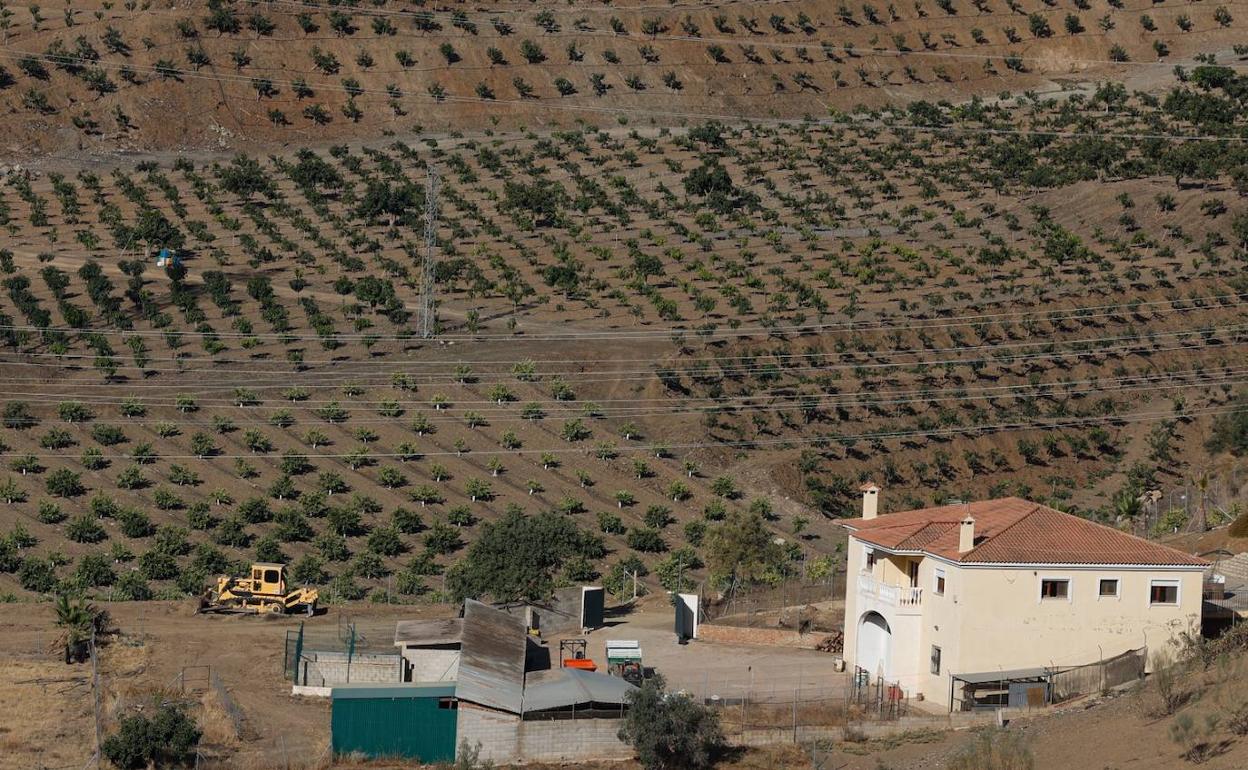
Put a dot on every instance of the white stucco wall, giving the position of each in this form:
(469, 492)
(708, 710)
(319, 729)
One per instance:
(992, 618)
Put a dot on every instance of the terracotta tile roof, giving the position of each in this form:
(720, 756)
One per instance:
(1011, 530)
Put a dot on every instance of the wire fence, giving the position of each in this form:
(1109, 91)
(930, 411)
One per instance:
(763, 605)
(350, 652)
(228, 703)
(1175, 508)
(802, 706)
(276, 753)
(1047, 686)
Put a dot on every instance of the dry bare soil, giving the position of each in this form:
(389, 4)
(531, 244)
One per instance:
(197, 76)
(689, 264)
(644, 331)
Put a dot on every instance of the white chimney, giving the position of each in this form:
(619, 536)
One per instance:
(966, 535)
(870, 500)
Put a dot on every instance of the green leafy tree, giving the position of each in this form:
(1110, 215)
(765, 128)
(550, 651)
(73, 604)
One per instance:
(63, 482)
(132, 587)
(85, 529)
(742, 547)
(670, 731)
(37, 575)
(168, 738)
(1230, 430)
(518, 556)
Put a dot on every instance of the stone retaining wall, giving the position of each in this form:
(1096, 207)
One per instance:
(769, 637)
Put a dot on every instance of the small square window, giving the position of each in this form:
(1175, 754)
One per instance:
(1163, 592)
(940, 582)
(1108, 587)
(1054, 588)
(935, 659)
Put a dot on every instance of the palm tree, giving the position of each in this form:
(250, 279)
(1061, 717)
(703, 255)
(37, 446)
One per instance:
(79, 619)
(1127, 506)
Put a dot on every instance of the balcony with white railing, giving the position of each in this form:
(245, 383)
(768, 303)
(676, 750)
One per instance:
(904, 600)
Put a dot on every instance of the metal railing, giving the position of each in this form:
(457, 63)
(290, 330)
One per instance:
(878, 697)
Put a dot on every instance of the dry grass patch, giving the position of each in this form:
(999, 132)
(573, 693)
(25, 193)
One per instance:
(48, 714)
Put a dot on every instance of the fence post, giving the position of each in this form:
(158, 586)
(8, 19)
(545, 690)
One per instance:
(795, 716)
(350, 651)
(95, 695)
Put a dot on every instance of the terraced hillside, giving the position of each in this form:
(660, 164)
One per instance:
(651, 333)
(217, 75)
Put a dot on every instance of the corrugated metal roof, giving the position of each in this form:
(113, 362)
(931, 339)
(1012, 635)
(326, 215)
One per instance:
(393, 690)
(421, 633)
(491, 663)
(988, 677)
(566, 687)
(1015, 531)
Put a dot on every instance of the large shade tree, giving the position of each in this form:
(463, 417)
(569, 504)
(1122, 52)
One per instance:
(518, 556)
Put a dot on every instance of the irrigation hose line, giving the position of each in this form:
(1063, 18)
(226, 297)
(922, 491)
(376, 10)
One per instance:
(648, 374)
(1047, 389)
(363, 383)
(1219, 302)
(251, 387)
(747, 444)
(849, 50)
(727, 410)
(86, 333)
(13, 54)
(1181, 304)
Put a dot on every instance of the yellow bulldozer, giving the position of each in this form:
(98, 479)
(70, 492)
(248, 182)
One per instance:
(263, 593)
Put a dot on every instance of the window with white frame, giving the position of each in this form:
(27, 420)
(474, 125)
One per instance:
(939, 588)
(870, 559)
(1055, 588)
(1107, 588)
(1163, 592)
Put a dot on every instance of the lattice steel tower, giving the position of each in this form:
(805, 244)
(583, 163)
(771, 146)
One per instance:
(431, 246)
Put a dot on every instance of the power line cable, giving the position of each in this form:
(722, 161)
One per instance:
(457, 415)
(660, 447)
(723, 370)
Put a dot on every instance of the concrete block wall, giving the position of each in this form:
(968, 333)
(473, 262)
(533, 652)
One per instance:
(572, 740)
(770, 637)
(497, 734)
(505, 738)
(432, 665)
(330, 668)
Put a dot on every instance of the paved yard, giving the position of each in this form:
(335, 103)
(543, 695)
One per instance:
(709, 669)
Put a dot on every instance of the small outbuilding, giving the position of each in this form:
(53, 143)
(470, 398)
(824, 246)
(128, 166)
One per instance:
(413, 721)
(430, 649)
(568, 610)
(481, 679)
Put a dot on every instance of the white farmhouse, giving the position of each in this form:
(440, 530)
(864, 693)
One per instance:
(941, 599)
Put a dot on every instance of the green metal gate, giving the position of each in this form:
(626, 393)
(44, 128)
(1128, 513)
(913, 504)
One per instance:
(395, 720)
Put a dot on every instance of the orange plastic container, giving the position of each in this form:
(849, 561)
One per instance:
(581, 663)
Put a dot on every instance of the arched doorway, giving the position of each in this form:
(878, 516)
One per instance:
(875, 641)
